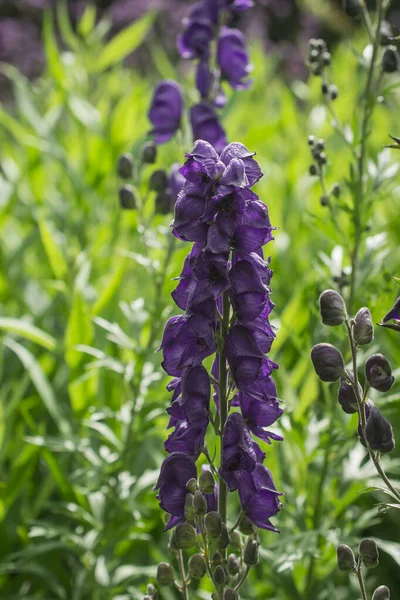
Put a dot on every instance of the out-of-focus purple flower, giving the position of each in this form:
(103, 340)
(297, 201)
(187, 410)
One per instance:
(205, 125)
(238, 454)
(258, 414)
(176, 470)
(238, 5)
(204, 79)
(258, 496)
(233, 58)
(166, 110)
(199, 30)
(244, 356)
(175, 182)
(187, 340)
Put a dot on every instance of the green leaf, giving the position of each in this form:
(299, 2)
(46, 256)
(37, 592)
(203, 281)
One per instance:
(52, 53)
(87, 21)
(29, 332)
(54, 254)
(84, 112)
(79, 330)
(126, 42)
(41, 384)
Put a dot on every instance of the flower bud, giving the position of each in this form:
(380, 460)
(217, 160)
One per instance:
(379, 373)
(189, 510)
(125, 166)
(328, 362)
(186, 536)
(390, 60)
(250, 556)
(149, 153)
(127, 199)
(165, 574)
(158, 180)
(345, 558)
(381, 593)
(224, 539)
(152, 591)
(217, 559)
(191, 485)
(197, 566)
(352, 7)
(246, 526)
(332, 308)
(333, 91)
(213, 524)
(367, 407)
(363, 330)
(206, 482)
(236, 540)
(233, 564)
(147, 597)
(199, 503)
(230, 594)
(219, 575)
(346, 395)
(369, 553)
(379, 432)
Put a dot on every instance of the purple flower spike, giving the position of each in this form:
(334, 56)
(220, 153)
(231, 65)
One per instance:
(238, 454)
(205, 125)
(166, 111)
(176, 470)
(244, 356)
(233, 58)
(259, 497)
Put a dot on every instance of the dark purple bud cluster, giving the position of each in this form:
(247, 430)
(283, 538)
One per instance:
(224, 291)
(317, 169)
(204, 28)
(368, 556)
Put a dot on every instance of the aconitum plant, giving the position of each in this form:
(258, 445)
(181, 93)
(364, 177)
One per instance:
(219, 347)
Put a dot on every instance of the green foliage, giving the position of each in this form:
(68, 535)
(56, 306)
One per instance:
(84, 293)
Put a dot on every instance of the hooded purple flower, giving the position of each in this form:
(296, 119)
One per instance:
(189, 209)
(243, 355)
(261, 329)
(233, 58)
(258, 414)
(166, 111)
(205, 125)
(187, 439)
(195, 40)
(187, 340)
(176, 470)
(247, 292)
(194, 402)
(202, 164)
(392, 315)
(236, 150)
(238, 454)
(254, 228)
(258, 496)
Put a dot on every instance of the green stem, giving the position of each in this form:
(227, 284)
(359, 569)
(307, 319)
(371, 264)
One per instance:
(361, 582)
(369, 105)
(361, 411)
(185, 590)
(223, 403)
(243, 578)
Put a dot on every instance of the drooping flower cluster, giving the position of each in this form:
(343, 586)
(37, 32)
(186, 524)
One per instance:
(202, 27)
(224, 290)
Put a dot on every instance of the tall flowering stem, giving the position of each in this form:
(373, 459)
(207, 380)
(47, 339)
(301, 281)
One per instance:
(224, 290)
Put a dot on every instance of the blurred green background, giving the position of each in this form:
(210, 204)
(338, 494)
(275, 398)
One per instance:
(84, 294)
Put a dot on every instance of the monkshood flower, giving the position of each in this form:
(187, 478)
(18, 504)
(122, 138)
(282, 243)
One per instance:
(392, 319)
(166, 110)
(233, 58)
(200, 27)
(238, 454)
(206, 126)
(259, 497)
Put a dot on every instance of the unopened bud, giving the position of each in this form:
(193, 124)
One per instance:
(250, 555)
(152, 591)
(328, 362)
(246, 526)
(217, 559)
(158, 180)
(345, 558)
(324, 200)
(127, 199)
(236, 540)
(363, 330)
(336, 191)
(379, 373)
(381, 593)
(189, 510)
(369, 553)
(233, 564)
(199, 503)
(147, 597)
(224, 539)
(125, 166)
(332, 308)
(191, 485)
(186, 536)
(352, 7)
(390, 60)
(165, 574)
(206, 482)
(346, 395)
(197, 566)
(333, 92)
(379, 432)
(219, 575)
(230, 594)
(213, 524)
(149, 153)
(313, 170)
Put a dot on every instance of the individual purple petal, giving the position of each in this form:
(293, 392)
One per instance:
(258, 414)
(394, 313)
(261, 329)
(202, 164)
(259, 497)
(233, 58)
(187, 439)
(166, 110)
(238, 453)
(247, 292)
(243, 355)
(254, 229)
(205, 125)
(189, 208)
(217, 240)
(235, 174)
(236, 150)
(175, 182)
